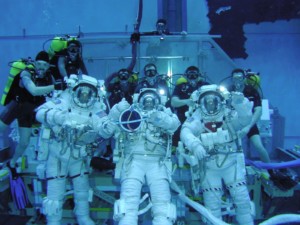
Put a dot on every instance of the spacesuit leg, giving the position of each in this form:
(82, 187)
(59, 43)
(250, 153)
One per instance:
(163, 211)
(236, 184)
(81, 195)
(212, 189)
(241, 200)
(52, 204)
(130, 193)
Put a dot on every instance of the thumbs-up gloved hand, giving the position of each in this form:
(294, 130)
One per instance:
(117, 109)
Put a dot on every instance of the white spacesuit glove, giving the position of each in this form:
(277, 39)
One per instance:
(237, 97)
(200, 152)
(123, 105)
(117, 109)
(109, 127)
(156, 118)
(58, 117)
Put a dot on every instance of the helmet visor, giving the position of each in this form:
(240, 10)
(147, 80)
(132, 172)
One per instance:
(210, 103)
(84, 95)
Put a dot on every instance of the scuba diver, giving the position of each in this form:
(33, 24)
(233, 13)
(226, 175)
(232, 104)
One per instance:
(212, 135)
(26, 88)
(239, 77)
(121, 86)
(247, 82)
(29, 82)
(142, 152)
(180, 99)
(68, 60)
(161, 29)
(72, 123)
(152, 79)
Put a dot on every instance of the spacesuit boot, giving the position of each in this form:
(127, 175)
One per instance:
(82, 209)
(54, 220)
(242, 204)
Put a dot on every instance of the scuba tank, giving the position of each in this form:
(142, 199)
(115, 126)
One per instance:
(16, 68)
(58, 44)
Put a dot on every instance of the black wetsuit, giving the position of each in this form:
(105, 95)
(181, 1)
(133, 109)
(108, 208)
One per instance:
(117, 92)
(72, 67)
(21, 104)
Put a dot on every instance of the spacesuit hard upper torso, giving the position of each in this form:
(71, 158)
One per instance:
(80, 126)
(149, 139)
(217, 134)
(144, 131)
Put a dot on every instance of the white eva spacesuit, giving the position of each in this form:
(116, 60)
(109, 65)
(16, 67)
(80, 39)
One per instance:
(211, 134)
(143, 145)
(71, 121)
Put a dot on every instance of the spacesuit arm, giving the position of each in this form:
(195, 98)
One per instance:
(165, 119)
(32, 88)
(48, 113)
(107, 128)
(189, 133)
(243, 109)
(117, 109)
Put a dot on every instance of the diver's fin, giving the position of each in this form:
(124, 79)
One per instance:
(18, 192)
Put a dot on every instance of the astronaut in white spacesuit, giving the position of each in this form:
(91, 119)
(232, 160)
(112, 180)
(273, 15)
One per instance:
(143, 145)
(212, 135)
(71, 122)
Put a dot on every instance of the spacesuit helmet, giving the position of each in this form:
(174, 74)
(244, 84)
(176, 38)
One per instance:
(84, 91)
(148, 99)
(210, 100)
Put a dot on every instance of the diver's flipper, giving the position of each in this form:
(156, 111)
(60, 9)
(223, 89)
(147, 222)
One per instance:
(18, 192)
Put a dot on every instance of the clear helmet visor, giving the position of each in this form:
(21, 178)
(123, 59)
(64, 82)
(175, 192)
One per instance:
(84, 95)
(210, 103)
(149, 100)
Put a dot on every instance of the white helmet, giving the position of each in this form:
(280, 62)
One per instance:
(84, 90)
(210, 100)
(148, 99)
